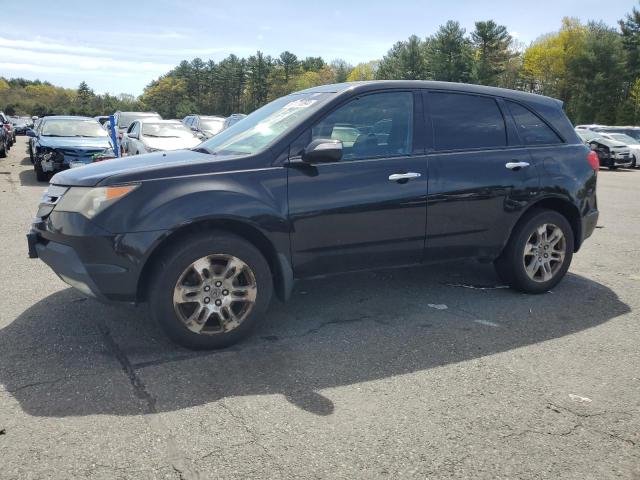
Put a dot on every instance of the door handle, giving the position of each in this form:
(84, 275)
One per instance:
(516, 165)
(403, 176)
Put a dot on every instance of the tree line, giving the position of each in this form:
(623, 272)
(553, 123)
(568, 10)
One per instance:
(593, 68)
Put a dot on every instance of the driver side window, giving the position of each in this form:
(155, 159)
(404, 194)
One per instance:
(376, 125)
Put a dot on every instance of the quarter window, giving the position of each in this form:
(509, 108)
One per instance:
(377, 125)
(532, 130)
(466, 121)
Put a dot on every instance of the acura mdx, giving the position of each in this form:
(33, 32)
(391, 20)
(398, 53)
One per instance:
(337, 178)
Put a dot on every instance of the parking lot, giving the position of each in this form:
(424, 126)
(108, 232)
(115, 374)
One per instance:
(427, 372)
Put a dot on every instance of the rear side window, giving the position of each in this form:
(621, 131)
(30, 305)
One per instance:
(532, 129)
(463, 121)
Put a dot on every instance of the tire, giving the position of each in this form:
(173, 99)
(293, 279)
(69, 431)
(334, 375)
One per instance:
(511, 266)
(175, 267)
(41, 175)
(3, 150)
(33, 160)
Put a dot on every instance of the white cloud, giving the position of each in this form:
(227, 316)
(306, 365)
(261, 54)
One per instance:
(43, 44)
(80, 63)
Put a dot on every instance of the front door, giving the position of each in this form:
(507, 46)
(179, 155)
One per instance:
(367, 210)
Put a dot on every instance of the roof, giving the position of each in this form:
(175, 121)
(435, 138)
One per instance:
(157, 120)
(68, 117)
(139, 113)
(205, 116)
(404, 84)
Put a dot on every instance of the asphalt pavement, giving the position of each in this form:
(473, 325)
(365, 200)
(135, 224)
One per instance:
(431, 372)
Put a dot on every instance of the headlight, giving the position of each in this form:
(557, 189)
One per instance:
(91, 201)
(46, 154)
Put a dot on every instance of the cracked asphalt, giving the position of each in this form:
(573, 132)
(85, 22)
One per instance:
(394, 374)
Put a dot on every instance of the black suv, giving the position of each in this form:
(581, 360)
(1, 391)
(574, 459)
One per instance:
(332, 179)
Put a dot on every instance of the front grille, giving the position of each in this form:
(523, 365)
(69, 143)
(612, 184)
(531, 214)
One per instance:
(80, 153)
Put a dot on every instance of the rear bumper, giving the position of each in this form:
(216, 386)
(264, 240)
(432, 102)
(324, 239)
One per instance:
(589, 222)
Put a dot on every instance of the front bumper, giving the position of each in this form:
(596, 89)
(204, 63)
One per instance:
(97, 263)
(621, 159)
(66, 263)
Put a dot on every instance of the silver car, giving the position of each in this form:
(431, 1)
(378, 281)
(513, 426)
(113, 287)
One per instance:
(144, 136)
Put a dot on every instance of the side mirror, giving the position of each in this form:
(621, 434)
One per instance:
(30, 133)
(194, 128)
(323, 150)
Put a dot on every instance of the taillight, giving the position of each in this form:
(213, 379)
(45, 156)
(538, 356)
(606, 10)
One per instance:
(594, 161)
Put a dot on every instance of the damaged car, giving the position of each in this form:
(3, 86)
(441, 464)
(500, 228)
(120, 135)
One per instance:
(611, 153)
(62, 142)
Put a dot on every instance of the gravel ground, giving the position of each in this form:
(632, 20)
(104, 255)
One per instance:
(394, 374)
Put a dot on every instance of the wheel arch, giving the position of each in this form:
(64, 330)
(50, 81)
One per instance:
(279, 264)
(560, 205)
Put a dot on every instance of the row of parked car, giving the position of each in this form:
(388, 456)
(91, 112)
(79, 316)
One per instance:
(60, 142)
(10, 126)
(616, 146)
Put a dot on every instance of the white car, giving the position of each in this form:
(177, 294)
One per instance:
(630, 142)
(144, 136)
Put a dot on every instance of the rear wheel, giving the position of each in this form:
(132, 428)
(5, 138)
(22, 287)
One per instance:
(539, 252)
(210, 290)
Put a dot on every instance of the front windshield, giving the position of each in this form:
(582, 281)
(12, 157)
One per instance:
(213, 125)
(126, 119)
(166, 130)
(587, 135)
(265, 125)
(73, 128)
(621, 137)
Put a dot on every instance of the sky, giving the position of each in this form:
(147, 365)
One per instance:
(119, 47)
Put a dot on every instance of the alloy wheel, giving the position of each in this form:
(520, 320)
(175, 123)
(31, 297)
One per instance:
(215, 294)
(544, 253)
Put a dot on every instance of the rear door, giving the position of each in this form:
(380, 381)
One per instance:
(369, 209)
(480, 176)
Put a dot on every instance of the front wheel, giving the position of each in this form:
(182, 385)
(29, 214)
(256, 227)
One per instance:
(41, 175)
(539, 252)
(209, 290)
(3, 150)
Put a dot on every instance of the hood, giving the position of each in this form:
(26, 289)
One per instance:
(149, 166)
(75, 142)
(168, 143)
(608, 143)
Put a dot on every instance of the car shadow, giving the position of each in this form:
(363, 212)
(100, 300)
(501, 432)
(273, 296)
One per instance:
(69, 356)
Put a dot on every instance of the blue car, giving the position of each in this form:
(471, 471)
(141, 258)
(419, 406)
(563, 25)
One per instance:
(61, 142)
